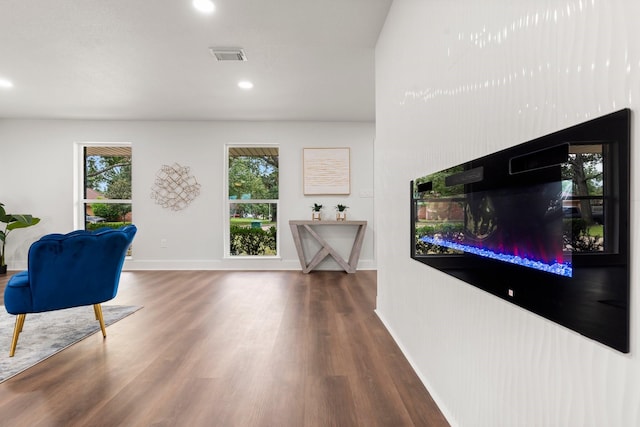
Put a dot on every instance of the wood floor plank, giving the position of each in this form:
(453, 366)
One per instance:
(229, 348)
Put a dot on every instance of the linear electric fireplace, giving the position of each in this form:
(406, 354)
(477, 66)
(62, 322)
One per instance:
(544, 225)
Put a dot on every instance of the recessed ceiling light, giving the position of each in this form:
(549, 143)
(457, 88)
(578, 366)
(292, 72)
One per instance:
(204, 6)
(245, 84)
(5, 84)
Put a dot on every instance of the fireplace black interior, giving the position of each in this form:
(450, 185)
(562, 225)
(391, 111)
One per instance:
(544, 225)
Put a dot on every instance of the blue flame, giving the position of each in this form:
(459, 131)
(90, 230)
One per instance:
(562, 269)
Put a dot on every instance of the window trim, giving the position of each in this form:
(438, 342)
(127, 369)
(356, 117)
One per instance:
(79, 200)
(226, 205)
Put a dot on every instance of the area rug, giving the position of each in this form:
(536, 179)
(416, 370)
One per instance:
(45, 334)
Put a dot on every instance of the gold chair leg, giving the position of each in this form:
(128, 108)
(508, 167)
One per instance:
(16, 333)
(22, 317)
(98, 311)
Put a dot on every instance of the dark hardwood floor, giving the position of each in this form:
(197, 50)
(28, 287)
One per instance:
(221, 348)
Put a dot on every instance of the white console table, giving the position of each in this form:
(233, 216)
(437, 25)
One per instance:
(349, 266)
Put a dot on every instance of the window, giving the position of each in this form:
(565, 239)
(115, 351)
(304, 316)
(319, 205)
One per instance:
(252, 201)
(105, 186)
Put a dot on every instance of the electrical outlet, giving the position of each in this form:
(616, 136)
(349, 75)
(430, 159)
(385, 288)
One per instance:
(163, 243)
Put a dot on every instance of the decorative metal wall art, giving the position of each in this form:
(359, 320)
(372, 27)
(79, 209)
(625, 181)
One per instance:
(174, 187)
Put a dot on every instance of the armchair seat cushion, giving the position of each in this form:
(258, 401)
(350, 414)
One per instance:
(20, 293)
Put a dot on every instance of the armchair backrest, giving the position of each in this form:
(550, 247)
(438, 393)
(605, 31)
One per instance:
(78, 268)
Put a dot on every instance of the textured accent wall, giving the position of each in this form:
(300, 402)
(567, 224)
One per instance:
(458, 80)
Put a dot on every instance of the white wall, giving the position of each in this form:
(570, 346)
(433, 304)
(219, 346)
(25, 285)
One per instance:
(37, 178)
(459, 79)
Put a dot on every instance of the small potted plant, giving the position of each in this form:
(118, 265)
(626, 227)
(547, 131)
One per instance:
(316, 212)
(341, 212)
(11, 222)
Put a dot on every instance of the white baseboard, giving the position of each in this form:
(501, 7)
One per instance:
(231, 264)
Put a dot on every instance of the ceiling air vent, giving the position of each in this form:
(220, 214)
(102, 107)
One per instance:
(228, 53)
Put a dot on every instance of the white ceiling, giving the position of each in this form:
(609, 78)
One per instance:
(149, 59)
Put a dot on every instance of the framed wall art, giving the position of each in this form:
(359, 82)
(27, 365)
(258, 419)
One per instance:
(326, 171)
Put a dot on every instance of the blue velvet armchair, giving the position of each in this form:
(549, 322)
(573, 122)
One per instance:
(68, 270)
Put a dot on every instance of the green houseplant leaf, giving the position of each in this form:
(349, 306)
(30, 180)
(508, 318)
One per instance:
(22, 221)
